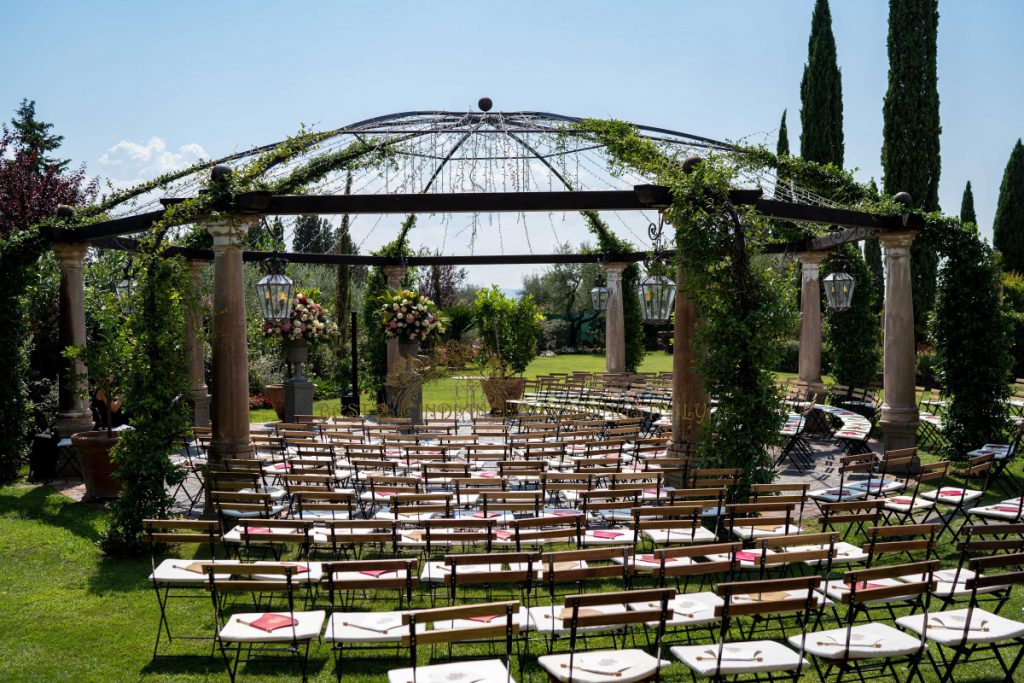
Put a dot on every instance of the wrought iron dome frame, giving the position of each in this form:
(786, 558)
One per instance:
(518, 162)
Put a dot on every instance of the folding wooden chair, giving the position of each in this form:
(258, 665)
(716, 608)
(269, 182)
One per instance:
(289, 631)
(972, 630)
(959, 497)
(597, 666)
(853, 515)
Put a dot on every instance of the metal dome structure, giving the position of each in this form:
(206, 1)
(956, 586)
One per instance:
(448, 152)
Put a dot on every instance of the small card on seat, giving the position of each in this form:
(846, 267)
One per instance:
(194, 567)
(271, 622)
(566, 613)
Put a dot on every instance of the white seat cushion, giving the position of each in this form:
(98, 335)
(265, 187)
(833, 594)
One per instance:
(951, 495)
(258, 534)
(687, 609)
(947, 628)
(548, 618)
(649, 562)
(235, 631)
(367, 627)
(341, 578)
(836, 589)
(438, 571)
(522, 618)
(876, 486)
(613, 536)
(681, 535)
(622, 666)
(476, 671)
(1002, 511)
(846, 553)
(867, 641)
(740, 658)
(178, 571)
(907, 503)
(751, 532)
(837, 494)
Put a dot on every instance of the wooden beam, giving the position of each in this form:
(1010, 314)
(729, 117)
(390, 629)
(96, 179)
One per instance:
(823, 243)
(788, 211)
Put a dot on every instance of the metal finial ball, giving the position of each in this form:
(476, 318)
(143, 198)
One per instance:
(221, 171)
(65, 211)
(485, 104)
(690, 163)
(903, 198)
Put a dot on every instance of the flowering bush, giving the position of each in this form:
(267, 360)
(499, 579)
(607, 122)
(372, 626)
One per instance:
(308, 321)
(409, 316)
(259, 401)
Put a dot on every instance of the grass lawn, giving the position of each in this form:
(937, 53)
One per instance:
(69, 614)
(445, 392)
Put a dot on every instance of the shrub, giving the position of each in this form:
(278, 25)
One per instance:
(509, 331)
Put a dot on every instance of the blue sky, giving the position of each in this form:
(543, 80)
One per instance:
(136, 87)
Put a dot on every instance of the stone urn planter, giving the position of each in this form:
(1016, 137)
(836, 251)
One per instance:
(93, 449)
(275, 393)
(500, 390)
(296, 352)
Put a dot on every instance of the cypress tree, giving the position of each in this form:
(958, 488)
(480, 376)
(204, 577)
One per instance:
(821, 94)
(782, 146)
(967, 214)
(1008, 225)
(873, 256)
(312, 235)
(910, 146)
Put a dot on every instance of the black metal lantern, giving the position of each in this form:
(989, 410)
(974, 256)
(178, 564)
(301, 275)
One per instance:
(839, 287)
(658, 297)
(599, 298)
(276, 291)
(125, 290)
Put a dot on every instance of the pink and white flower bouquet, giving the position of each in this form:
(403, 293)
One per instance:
(410, 317)
(308, 320)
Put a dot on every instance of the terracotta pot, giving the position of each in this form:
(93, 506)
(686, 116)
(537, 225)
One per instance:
(501, 390)
(275, 392)
(93, 449)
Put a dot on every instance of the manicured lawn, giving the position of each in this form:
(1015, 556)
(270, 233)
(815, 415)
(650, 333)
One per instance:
(69, 614)
(443, 393)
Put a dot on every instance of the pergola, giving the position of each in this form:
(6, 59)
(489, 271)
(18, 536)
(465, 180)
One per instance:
(524, 149)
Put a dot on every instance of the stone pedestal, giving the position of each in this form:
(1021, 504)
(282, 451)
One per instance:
(298, 390)
(194, 340)
(689, 402)
(615, 327)
(900, 417)
(230, 407)
(404, 385)
(73, 414)
(810, 321)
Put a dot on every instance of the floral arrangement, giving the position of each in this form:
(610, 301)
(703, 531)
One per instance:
(409, 316)
(308, 321)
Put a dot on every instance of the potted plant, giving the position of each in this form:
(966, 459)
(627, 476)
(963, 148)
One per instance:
(509, 331)
(105, 355)
(411, 318)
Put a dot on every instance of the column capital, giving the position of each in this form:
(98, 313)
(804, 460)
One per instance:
(811, 258)
(229, 230)
(70, 254)
(615, 267)
(196, 266)
(896, 239)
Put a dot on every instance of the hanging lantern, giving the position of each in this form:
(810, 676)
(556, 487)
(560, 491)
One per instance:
(276, 291)
(599, 298)
(839, 290)
(658, 296)
(125, 289)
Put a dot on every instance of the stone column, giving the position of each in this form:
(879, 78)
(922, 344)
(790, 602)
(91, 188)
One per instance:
(614, 322)
(194, 341)
(900, 417)
(810, 320)
(689, 402)
(73, 413)
(394, 275)
(230, 407)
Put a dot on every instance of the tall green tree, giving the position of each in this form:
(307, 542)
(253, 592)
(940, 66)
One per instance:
(821, 93)
(312, 235)
(967, 214)
(910, 146)
(782, 146)
(34, 136)
(1008, 225)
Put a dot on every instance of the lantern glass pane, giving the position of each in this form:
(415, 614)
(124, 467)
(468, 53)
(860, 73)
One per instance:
(275, 292)
(599, 298)
(839, 290)
(657, 294)
(124, 290)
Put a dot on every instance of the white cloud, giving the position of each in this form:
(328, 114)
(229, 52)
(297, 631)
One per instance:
(135, 161)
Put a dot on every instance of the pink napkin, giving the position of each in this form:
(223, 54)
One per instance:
(651, 491)
(1008, 508)
(486, 619)
(504, 535)
(564, 513)
(488, 475)
(607, 534)
(951, 493)
(258, 530)
(271, 622)
(486, 515)
(867, 585)
(656, 560)
(375, 573)
(386, 493)
(901, 501)
(748, 556)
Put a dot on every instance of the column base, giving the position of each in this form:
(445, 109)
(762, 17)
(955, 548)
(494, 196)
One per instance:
(72, 422)
(898, 434)
(201, 408)
(224, 450)
(680, 449)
